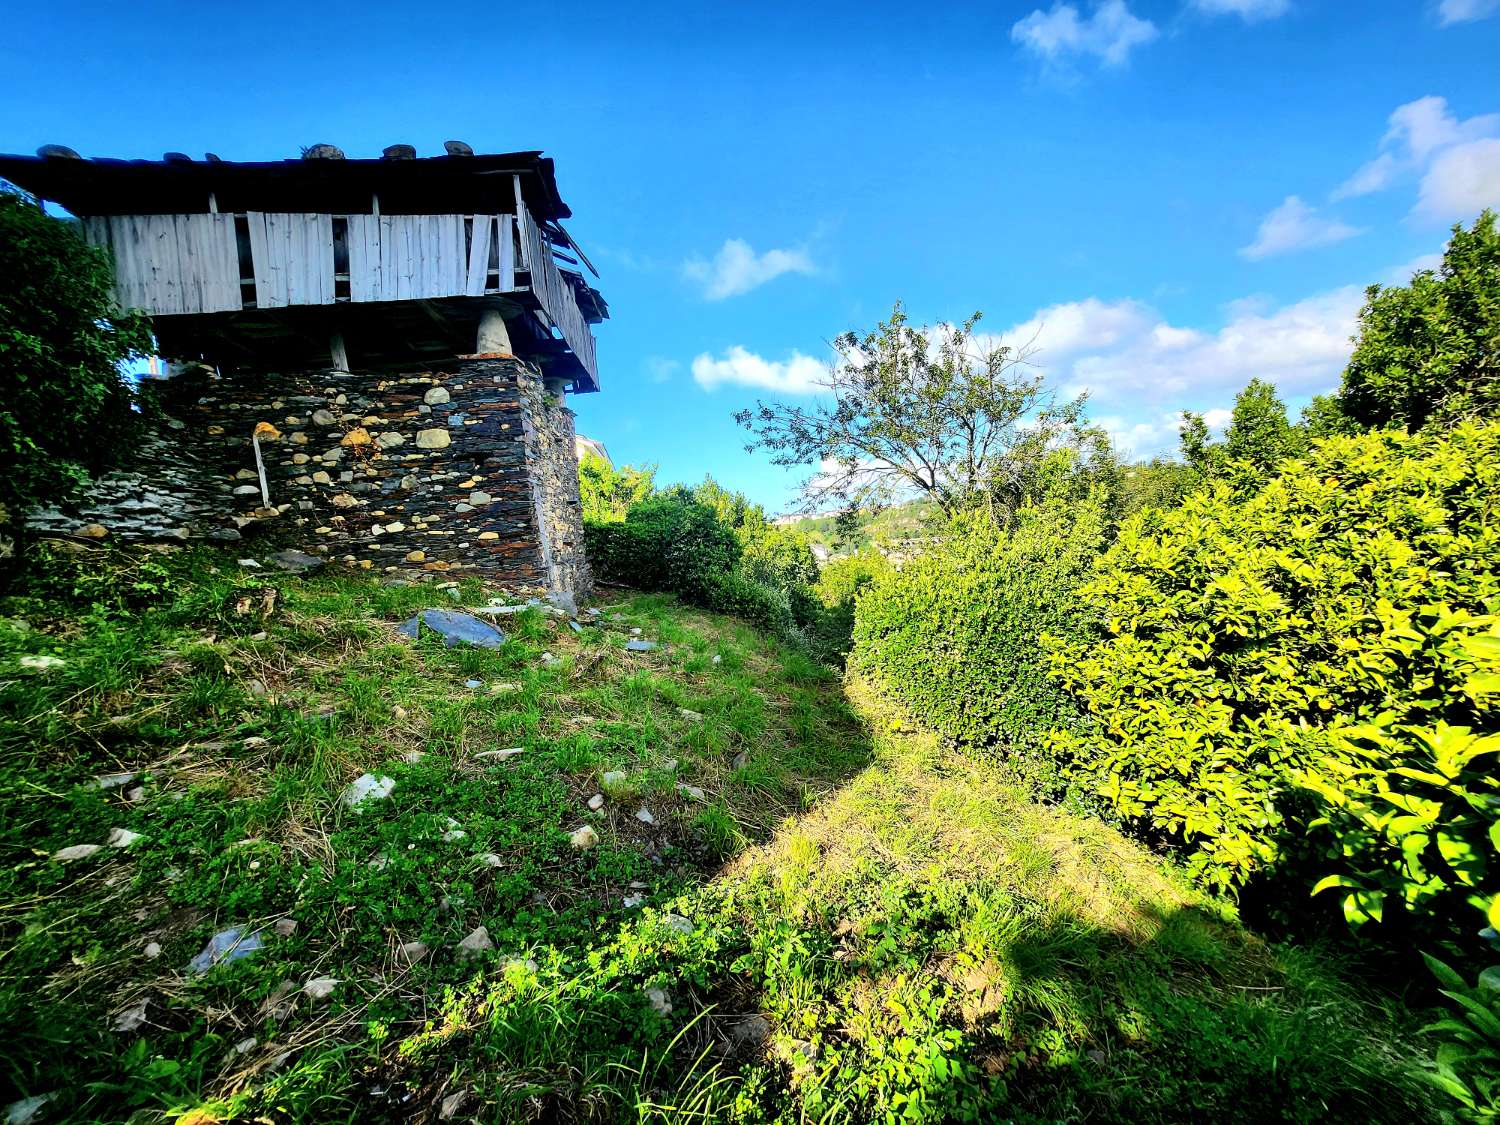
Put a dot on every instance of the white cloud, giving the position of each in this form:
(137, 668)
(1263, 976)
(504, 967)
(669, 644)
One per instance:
(1109, 33)
(1300, 347)
(737, 268)
(1296, 226)
(1417, 132)
(1247, 10)
(1461, 11)
(1461, 182)
(798, 375)
(1066, 329)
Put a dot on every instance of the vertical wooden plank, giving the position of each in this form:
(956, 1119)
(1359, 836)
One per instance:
(479, 256)
(226, 291)
(392, 257)
(455, 260)
(189, 243)
(296, 269)
(360, 276)
(507, 236)
(322, 241)
(166, 268)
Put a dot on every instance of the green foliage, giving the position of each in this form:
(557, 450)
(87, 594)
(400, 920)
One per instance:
(65, 413)
(938, 412)
(1257, 438)
(607, 492)
(1429, 352)
(1467, 1066)
(670, 542)
(1159, 483)
(1259, 432)
(955, 634)
(1299, 678)
(763, 605)
(838, 589)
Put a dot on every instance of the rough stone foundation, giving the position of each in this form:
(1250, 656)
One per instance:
(468, 469)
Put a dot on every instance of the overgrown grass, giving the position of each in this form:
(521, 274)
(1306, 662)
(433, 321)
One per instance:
(829, 919)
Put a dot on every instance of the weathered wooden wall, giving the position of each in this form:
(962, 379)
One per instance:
(171, 264)
(176, 264)
(555, 295)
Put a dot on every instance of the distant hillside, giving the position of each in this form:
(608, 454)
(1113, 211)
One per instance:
(903, 521)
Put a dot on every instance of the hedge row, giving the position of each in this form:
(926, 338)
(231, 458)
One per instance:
(954, 632)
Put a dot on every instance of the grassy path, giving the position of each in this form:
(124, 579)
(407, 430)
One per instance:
(821, 915)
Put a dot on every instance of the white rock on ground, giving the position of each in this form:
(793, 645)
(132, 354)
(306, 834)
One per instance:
(114, 780)
(24, 1111)
(584, 838)
(121, 837)
(320, 988)
(77, 851)
(132, 1018)
(152, 950)
(691, 716)
(596, 802)
(718, 659)
(691, 791)
(490, 859)
(455, 832)
(367, 787)
(42, 663)
(285, 927)
(476, 943)
(413, 951)
(677, 924)
(643, 814)
(633, 900)
(451, 1105)
(659, 1001)
(501, 755)
(613, 781)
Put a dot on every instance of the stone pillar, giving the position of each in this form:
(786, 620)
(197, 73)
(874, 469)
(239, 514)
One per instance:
(338, 353)
(493, 336)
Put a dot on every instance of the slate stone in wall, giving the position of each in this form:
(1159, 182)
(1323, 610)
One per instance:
(463, 469)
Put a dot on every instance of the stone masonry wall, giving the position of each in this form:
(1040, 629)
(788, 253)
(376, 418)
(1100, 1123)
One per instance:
(459, 469)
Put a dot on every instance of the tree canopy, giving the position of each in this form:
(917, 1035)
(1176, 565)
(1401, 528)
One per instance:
(939, 412)
(1429, 351)
(61, 342)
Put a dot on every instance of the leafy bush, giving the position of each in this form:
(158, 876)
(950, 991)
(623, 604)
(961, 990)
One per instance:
(1302, 678)
(669, 542)
(1429, 351)
(607, 493)
(955, 634)
(1467, 1066)
(837, 590)
(66, 409)
(758, 603)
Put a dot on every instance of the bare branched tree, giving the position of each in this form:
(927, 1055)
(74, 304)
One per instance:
(934, 412)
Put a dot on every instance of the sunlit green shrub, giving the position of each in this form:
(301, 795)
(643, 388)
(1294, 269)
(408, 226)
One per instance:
(955, 633)
(1302, 678)
(669, 542)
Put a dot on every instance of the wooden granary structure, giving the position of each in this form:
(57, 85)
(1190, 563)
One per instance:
(326, 261)
(370, 357)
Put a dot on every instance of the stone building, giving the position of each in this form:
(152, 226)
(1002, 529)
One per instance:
(371, 357)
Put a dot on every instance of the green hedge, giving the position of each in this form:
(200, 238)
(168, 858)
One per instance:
(669, 542)
(1302, 678)
(955, 633)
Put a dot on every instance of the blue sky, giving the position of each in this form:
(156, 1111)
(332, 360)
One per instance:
(1170, 196)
